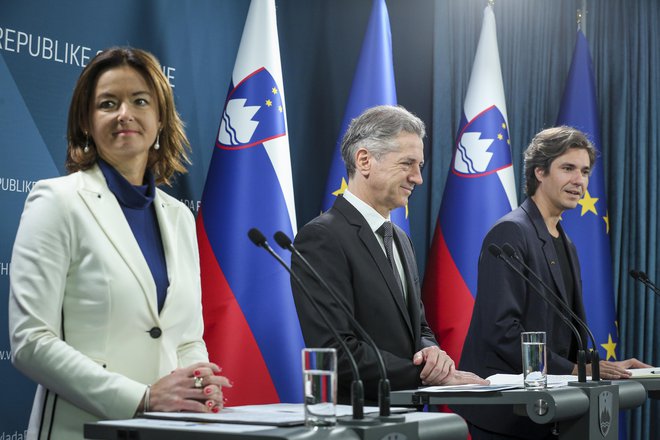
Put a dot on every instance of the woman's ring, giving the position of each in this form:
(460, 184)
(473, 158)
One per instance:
(199, 382)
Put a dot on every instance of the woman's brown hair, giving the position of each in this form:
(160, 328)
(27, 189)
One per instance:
(170, 158)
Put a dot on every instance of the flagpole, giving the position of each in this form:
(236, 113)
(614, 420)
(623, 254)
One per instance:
(582, 17)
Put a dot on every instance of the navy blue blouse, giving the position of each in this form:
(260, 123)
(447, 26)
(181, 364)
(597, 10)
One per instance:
(136, 202)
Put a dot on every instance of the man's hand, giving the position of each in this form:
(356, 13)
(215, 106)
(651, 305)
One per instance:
(616, 370)
(438, 366)
(459, 377)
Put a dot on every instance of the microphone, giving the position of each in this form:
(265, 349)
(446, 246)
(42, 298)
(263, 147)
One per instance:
(497, 252)
(644, 279)
(384, 383)
(594, 355)
(357, 389)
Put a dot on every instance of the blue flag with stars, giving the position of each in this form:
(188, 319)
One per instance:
(588, 224)
(373, 84)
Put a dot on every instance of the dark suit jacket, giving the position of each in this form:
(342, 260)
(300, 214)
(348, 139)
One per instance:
(506, 306)
(340, 245)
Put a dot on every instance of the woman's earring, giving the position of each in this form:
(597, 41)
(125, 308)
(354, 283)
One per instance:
(86, 148)
(157, 144)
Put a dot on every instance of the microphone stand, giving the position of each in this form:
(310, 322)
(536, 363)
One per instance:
(644, 279)
(357, 389)
(593, 354)
(384, 384)
(496, 251)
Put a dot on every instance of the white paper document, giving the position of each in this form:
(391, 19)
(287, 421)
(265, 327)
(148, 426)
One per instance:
(272, 415)
(645, 373)
(184, 425)
(276, 414)
(554, 380)
(500, 382)
(467, 388)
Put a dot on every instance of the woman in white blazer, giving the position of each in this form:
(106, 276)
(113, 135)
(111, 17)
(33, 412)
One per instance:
(105, 306)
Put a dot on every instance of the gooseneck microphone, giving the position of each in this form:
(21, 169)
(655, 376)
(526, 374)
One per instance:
(594, 355)
(357, 389)
(384, 383)
(497, 252)
(644, 279)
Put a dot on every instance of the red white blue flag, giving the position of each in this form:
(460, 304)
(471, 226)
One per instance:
(251, 325)
(480, 189)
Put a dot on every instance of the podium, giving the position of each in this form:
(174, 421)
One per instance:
(423, 426)
(652, 385)
(576, 409)
(582, 411)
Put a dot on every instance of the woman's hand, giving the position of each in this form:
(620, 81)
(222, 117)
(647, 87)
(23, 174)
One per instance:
(197, 388)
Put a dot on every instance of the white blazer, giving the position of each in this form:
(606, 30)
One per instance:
(82, 303)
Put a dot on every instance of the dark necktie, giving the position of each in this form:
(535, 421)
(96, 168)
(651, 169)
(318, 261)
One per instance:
(385, 231)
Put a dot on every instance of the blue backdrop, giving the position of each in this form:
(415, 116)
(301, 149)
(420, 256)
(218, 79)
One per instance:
(43, 46)
(44, 43)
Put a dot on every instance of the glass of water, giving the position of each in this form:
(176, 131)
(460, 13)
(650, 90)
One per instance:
(535, 374)
(319, 367)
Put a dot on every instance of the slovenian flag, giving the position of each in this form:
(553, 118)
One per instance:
(373, 84)
(251, 326)
(480, 189)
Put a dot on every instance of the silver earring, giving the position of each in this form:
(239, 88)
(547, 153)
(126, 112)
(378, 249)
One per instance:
(86, 149)
(157, 144)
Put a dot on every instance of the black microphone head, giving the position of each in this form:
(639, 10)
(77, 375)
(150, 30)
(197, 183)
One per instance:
(494, 250)
(282, 239)
(257, 237)
(509, 250)
(634, 274)
(643, 276)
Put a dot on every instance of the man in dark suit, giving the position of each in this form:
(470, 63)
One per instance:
(373, 271)
(557, 166)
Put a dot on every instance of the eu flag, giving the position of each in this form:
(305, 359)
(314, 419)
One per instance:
(373, 84)
(251, 326)
(588, 225)
(480, 189)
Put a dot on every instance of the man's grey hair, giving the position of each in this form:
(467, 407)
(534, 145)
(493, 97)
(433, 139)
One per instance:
(376, 130)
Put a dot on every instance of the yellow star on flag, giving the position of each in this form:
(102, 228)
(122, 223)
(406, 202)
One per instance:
(269, 103)
(274, 90)
(503, 125)
(279, 108)
(499, 136)
(607, 222)
(610, 347)
(341, 189)
(588, 203)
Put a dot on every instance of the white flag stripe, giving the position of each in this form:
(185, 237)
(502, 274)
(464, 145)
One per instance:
(486, 87)
(507, 178)
(260, 48)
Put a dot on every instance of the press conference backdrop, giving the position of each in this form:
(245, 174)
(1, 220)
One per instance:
(44, 45)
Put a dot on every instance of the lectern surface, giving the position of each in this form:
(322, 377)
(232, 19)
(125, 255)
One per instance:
(423, 426)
